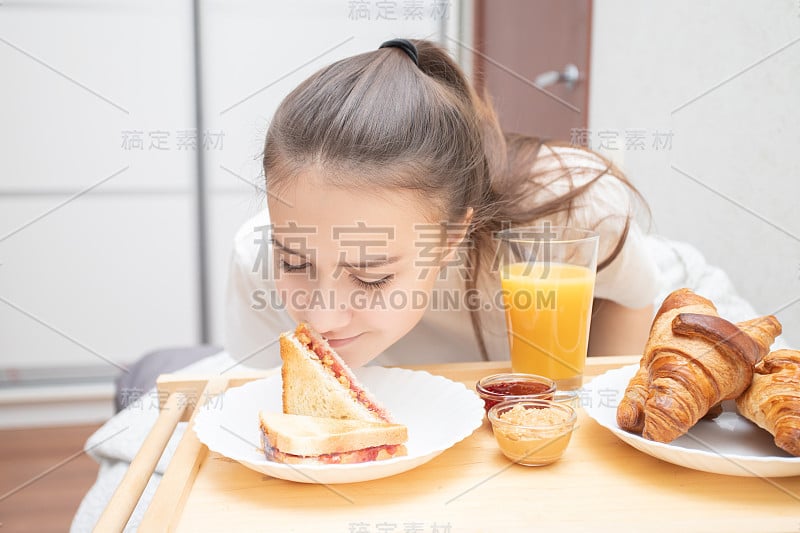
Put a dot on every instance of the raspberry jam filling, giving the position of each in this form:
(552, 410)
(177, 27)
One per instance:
(337, 368)
(356, 456)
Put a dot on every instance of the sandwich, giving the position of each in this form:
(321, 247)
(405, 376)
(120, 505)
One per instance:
(317, 382)
(328, 416)
(300, 439)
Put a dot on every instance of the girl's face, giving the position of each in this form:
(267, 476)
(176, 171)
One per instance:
(357, 267)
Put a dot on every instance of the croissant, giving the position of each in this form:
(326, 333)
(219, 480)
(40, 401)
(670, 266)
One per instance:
(773, 399)
(693, 360)
(630, 411)
(763, 331)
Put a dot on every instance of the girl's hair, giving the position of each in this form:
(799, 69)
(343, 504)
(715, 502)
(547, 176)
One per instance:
(377, 122)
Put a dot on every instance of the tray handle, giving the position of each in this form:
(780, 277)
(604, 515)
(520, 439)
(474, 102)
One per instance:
(119, 509)
(178, 396)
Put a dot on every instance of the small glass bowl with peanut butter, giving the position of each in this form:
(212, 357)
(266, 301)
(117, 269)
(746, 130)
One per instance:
(532, 432)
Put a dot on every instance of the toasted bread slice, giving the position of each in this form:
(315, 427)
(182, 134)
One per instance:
(317, 382)
(300, 439)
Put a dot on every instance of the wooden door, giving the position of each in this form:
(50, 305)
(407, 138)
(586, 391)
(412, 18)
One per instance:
(518, 40)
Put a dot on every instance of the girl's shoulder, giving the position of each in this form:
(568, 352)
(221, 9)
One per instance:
(607, 202)
(559, 169)
(574, 162)
(571, 154)
(250, 232)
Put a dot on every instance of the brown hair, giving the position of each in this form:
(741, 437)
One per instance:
(423, 129)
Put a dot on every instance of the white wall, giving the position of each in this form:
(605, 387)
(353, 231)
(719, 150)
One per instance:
(723, 77)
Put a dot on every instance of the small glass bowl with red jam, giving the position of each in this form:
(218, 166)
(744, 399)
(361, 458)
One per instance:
(514, 386)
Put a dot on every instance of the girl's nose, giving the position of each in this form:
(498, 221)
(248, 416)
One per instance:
(326, 313)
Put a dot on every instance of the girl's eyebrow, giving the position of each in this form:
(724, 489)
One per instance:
(285, 249)
(373, 262)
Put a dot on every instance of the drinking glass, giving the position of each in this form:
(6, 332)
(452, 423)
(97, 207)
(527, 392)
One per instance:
(547, 275)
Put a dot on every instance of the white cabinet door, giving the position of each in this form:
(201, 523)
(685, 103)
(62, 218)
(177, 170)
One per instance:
(97, 176)
(98, 282)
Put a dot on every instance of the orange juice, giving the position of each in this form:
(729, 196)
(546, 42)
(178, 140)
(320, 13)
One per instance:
(548, 308)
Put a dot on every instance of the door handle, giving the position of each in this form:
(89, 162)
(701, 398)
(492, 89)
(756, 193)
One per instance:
(570, 76)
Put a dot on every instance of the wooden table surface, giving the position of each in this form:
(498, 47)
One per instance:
(600, 484)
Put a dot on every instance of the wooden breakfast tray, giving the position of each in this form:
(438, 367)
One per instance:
(600, 484)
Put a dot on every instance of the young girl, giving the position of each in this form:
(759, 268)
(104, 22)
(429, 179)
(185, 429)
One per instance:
(387, 176)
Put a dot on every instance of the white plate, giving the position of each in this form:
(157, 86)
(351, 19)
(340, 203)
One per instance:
(729, 444)
(438, 412)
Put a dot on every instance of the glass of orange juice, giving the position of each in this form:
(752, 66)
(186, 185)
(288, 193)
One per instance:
(547, 275)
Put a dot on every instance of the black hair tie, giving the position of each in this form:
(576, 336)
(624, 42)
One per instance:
(406, 46)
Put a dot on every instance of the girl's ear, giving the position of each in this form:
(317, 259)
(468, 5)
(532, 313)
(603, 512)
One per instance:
(456, 236)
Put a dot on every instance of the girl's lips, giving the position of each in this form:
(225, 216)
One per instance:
(338, 343)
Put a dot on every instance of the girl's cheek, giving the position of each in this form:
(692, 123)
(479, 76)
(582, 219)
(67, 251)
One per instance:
(292, 293)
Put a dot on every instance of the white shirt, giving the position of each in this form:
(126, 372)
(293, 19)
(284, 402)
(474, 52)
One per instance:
(632, 280)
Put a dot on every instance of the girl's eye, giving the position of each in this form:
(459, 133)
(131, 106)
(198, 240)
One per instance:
(286, 267)
(372, 285)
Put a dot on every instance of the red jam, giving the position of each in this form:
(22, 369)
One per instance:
(496, 389)
(516, 388)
